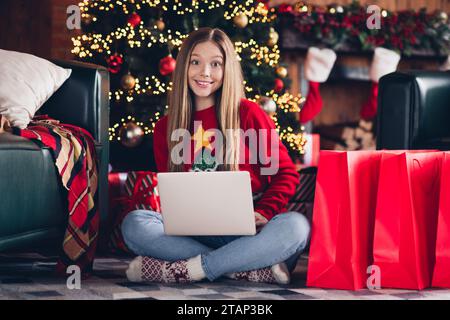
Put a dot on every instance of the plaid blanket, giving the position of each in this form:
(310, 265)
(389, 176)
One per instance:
(73, 151)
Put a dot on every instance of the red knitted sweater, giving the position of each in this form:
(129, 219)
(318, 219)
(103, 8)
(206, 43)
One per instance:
(276, 189)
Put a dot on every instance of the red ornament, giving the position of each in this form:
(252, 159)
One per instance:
(114, 63)
(134, 19)
(320, 18)
(279, 85)
(167, 65)
(264, 2)
(346, 23)
(420, 28)
(285, 8)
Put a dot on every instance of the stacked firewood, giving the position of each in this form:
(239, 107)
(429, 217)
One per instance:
(352, 136)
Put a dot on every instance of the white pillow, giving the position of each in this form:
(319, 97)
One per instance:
(26, 83)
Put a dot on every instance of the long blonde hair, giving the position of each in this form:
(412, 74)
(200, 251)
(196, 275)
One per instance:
(227, 98)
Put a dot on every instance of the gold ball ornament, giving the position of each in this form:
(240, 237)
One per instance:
(160, 25)
(131, 135)
(443, 16)
(241, 20)
(282, 72)
(87, 19)
(128, 82)
(273, 37)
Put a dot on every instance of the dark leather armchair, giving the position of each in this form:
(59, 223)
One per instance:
(33, 202)
(414, 111)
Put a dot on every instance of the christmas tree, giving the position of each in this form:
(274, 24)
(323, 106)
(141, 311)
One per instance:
(138, 41)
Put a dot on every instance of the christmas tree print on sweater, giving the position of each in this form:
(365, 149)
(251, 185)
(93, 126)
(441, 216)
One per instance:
(204, 160)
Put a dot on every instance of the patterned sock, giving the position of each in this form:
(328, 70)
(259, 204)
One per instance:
(155, 270)
(276, 274)
(195, 269)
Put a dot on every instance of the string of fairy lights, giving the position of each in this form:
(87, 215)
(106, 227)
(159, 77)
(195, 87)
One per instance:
(288, 103)
(183, 7)
(147, 129)
(260, 54)
(88, 45)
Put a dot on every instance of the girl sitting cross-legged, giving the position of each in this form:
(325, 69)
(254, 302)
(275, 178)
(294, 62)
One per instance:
(208, 88)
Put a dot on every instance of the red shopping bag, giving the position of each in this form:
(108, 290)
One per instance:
(343, 219)
(406, 218)
(441, 274)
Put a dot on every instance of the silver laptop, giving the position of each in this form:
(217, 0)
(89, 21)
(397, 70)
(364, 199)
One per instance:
(206, 203)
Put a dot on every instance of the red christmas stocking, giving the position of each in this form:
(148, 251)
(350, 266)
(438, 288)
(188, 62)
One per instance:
(318, 65)
(384, 62)
(313, 104)
(369, 109)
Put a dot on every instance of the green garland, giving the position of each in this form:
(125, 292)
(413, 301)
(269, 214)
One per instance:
(344, 28)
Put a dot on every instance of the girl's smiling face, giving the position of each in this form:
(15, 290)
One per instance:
(205, 72)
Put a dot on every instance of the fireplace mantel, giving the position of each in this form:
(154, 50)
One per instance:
(351, 67)
(291, 40)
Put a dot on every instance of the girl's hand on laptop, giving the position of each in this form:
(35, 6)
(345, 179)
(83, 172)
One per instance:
(260, 221)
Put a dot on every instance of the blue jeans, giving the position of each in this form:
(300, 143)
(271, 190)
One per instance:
(283, 238)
